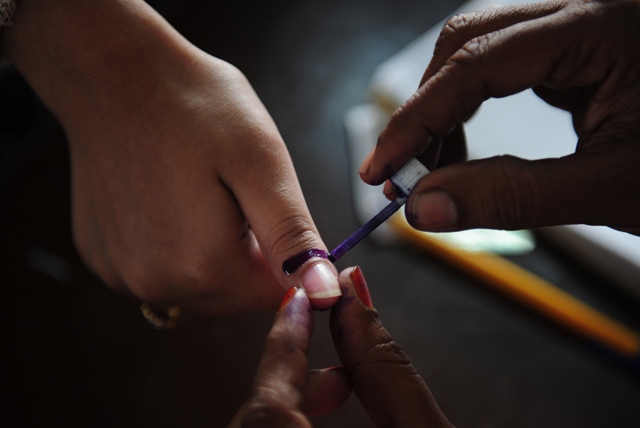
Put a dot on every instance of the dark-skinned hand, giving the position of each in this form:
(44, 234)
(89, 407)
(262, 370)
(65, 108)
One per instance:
(581, 56)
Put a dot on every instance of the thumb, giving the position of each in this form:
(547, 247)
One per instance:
(271, 200)
(506, 192)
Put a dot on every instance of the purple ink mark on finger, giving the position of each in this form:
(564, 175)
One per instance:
(292, 264)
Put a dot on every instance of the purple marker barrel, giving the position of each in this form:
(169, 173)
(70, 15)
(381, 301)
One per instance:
(404, 180)
(366, 229)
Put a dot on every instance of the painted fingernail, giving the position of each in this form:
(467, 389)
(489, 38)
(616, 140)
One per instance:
(360, 284)
(434, 210)
(321, 285)
(288, 297)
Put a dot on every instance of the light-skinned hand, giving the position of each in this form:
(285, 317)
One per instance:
(183, 190)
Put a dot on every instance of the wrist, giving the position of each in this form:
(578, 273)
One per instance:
(81, 56)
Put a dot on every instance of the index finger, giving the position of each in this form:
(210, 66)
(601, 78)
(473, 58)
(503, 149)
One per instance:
(284, 390)
(558, 48)
(281, 380)
(461, 28)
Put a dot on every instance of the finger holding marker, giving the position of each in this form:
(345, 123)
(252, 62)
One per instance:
(271, 199)
(505, 51)
(463, 27)
(493, 64)
(460, 29)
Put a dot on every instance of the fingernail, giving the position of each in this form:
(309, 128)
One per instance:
(293, 263)
(433, 210)
(388, 189)
(360, 284)
(332, 368)
(321, 285)
(288, 297)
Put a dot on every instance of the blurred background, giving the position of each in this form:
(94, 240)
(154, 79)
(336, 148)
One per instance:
(76, 354)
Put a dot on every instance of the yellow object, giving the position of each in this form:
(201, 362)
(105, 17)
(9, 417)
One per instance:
(529, 289)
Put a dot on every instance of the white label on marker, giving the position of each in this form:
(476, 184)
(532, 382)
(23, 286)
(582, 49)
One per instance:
(409, 175)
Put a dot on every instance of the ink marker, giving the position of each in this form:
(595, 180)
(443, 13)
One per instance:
(404, 180)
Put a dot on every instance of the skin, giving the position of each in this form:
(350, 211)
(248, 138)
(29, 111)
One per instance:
(580, 56)
(381, 375)
(183, 191)
(285, 392)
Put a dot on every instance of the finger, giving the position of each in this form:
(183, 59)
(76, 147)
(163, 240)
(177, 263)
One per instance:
(430, 158)
(568, 99)
(496, 64)
(456, 32)
(267, 189)
(281, 379)
(327, 391)
(388, 386)
(285, 352)
(465, 26)
(454, 147)
(511, 193)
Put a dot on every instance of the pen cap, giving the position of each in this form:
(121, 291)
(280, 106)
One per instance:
(407, 177)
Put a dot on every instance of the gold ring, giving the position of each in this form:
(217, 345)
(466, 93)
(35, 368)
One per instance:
(164, 319)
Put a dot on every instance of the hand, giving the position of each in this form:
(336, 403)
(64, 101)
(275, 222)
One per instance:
(581, 56)
(388, 386)
(285, 393)
(385, 382)
(183, 190)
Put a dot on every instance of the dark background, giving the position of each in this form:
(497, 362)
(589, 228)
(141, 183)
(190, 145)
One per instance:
(76, 354)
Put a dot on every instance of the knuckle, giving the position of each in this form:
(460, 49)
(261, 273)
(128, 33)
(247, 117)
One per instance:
(432, 126)
(386, 350)
(453, 34)
(291, 235)
(384, 357)
(461, 27)
(473, 52)
(583, 9)
(456, 27)
(454, 75)
(466, 66)
(388, 353)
